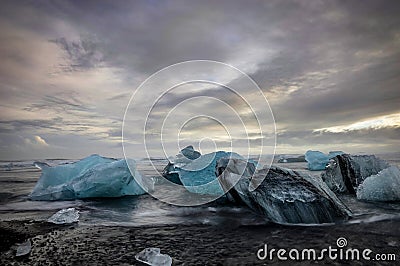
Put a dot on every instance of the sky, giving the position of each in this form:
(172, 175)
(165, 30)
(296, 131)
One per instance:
(330, 71)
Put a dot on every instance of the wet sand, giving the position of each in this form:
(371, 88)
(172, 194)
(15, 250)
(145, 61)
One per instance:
(188, 244)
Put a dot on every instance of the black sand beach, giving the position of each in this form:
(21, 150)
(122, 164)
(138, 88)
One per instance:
(188, 244)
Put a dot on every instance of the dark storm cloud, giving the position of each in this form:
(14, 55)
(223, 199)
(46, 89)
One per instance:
(354, 96)
(320, 63)
(22, 125)
(83, 54)
(59, 103)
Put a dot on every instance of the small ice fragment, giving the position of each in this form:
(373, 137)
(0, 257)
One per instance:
(24, 248)
(153, 257)
(190, 153)
(65, 216)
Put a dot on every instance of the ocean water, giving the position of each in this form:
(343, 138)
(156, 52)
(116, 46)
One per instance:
(17, 179)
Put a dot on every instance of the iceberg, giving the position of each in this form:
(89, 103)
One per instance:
(284, 196)
(94, 176)
(65, 216)
(153, 257)
(198, 175)
(366, 176)
(318, 160)
(346, 172)
(384, 186)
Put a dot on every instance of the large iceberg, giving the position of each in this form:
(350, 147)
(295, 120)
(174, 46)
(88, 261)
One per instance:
(198, 175)
(318, 160)
(94, 176)
(384, 186)
(346, 172)
(284, 196)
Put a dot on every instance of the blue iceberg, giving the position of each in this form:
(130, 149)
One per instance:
(318, 160)
(94, 176)
(198, 175)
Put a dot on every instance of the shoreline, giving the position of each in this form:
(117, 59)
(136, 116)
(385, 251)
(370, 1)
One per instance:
(187, 244)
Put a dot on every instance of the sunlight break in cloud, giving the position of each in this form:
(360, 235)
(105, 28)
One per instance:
(37, 140)
(392, 120)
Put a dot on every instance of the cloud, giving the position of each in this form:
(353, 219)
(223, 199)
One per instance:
(386, 121)
(329, 69)
(36, 141)
(40, 141)
(82, 54)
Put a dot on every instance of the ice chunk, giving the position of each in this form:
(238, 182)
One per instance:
(198, 176)
(284, 195)
(153, 257)
(65, 216)
(171, 174)
(190, 153)
(346, 172)
(318, 160)
(184, 157)
(94, 176)
(384, 186)
(24, 248)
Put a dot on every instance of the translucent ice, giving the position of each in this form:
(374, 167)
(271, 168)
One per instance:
(65, 216)
(24, 248)
(153, 257)
(384, 186)
(284, 195)
(198, 176)
(94, 176)
(318, 160)
(346, 172)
